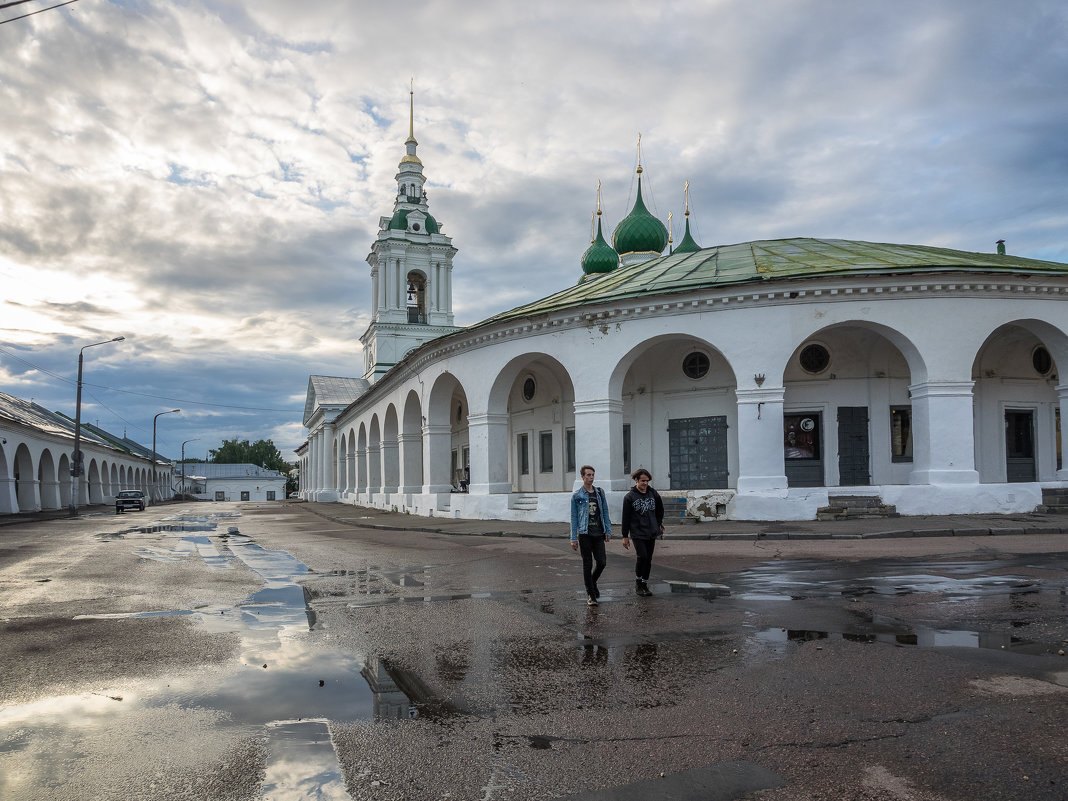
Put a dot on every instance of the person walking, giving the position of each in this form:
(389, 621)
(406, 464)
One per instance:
(590, 530)
(643, 521)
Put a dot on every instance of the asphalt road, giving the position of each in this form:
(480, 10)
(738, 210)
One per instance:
(244, 651)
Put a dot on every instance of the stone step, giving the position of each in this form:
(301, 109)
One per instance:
(527, 503)
(854, 501)
(675, 512)
(855, 507)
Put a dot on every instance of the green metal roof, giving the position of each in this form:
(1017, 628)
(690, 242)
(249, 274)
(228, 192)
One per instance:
(599, 256)
(769, 259)
(640, 231)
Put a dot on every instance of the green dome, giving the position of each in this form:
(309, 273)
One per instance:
(400, 222)
(640, 231)
(687, 245)
(599, 256)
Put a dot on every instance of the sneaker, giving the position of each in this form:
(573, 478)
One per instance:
(591, 601)
(646, 592)
(642, 588)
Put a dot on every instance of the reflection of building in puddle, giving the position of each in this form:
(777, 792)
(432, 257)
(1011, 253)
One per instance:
(778, 638)
(399, 693)
(302, 763)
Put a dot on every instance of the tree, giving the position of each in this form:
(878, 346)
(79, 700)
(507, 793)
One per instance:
(262, 452)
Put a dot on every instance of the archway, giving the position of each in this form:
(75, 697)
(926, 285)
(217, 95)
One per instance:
(535, 395)
(1017, 403)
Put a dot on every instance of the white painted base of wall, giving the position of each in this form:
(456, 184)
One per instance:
(779, 504)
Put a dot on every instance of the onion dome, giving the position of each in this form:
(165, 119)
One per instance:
(687, 245)
(599, 256)
(640, 231)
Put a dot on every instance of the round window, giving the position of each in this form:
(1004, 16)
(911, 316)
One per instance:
(695, 365)
(529, 388)
(814, 358)
(1041, 360)
(415, 226)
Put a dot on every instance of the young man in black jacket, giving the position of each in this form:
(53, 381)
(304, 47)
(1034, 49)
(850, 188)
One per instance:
(643, 521)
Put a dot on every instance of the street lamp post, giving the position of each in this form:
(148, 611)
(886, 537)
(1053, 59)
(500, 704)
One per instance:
(155, 458)
(195, 439)
(76, 465)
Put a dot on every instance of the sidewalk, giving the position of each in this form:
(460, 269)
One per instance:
(873, 528)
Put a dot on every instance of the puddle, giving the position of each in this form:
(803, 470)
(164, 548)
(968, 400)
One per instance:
(301, 763)
(285, 682)
(780, 639)
(954, 580)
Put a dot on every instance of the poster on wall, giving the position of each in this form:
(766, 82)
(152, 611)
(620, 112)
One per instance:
(801, 436)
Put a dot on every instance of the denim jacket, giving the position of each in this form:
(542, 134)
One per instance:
(580, 512)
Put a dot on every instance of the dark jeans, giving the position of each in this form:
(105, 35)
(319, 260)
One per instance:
(643, 549)
(592, 549)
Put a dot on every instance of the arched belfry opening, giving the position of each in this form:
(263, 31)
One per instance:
(416, 298)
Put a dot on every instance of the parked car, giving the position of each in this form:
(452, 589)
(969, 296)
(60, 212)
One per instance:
(129, 499)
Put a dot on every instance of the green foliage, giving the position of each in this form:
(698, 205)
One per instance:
(262, 452)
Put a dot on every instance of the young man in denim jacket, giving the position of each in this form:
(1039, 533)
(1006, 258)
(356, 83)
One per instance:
(590, 530)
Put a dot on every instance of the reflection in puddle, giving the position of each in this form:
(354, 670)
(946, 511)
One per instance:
(302, 763)
(779, 639)
(801, 579)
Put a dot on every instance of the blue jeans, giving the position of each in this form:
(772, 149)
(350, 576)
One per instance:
(592, 549)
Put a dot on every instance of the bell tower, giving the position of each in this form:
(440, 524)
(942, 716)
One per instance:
(411, 271)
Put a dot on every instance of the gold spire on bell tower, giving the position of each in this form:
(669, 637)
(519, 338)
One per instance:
(411, 113)
(670, 240)
(686, 193)
(639, 153)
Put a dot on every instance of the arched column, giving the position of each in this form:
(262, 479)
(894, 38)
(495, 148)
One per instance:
(437, 444)
(489, 453)
(599, 441)
(411, 462)
(390, 466)
(350, 468)
(761, 466)
(942, 433)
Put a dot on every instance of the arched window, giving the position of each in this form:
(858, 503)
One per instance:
(416, 298)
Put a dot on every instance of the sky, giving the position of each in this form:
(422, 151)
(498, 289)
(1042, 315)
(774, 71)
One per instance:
(206, 178)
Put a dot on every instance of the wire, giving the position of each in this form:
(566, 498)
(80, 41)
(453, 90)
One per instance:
(2, 21)
(66, 380)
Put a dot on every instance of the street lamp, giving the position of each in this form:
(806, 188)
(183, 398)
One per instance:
(195, 439)
(155, 478)
(76, 466)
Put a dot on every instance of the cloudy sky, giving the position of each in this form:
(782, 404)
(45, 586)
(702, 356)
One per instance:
(206, 178)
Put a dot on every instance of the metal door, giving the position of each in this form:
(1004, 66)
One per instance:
(697, 451)
(853, 451)
(1019, 445)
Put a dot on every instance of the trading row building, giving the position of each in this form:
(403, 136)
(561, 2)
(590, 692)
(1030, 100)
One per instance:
(759, 380)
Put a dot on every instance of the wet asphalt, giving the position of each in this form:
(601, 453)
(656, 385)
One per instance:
(292, 651)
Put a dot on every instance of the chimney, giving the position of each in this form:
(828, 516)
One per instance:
(1001, 247)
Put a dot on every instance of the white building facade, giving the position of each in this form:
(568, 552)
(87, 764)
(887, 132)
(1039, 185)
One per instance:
(209, 481)
(759, 380)
(36, 452)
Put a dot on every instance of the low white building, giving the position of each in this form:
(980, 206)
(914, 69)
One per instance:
(230, 482)
(37, 450)
(759, 380)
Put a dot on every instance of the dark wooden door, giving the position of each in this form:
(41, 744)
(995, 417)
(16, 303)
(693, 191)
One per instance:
(853, 452)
